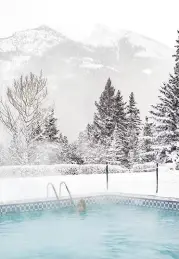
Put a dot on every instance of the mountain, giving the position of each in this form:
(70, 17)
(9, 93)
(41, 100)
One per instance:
(78, 71)
(103, 36)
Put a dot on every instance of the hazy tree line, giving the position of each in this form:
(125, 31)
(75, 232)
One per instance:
(115, 134)
(118, 134)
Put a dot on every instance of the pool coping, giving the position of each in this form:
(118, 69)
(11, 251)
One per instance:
(39, 204)
(107, 194)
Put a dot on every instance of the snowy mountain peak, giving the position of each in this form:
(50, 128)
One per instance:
(103, 36)
(31, 41)
(48, 30)
(44, 27)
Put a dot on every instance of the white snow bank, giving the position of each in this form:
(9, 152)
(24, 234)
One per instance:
(12, 189)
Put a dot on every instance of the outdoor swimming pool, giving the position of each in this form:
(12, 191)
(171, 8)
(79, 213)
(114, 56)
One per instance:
(106, 231)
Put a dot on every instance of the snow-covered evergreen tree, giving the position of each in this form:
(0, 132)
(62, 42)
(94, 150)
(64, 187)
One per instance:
(74, 154)
(86, 144)
(118, 148)
(88, 149)
(104, 122)
(37, 133)
(165, 113)
(120, 111)
(48, 149)
(51, 132)
(63, 149)
(147, 153)
(166, 116)
(133, 130)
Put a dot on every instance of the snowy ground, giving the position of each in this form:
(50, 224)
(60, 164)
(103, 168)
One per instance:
(12, 189)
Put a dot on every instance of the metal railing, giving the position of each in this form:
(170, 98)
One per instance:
(67, 191)
(53, 188)
(56, 194)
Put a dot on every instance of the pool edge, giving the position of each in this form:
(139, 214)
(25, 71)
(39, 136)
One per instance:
(151, 201)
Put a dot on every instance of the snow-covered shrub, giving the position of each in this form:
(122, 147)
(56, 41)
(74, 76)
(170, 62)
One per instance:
(63, 169)
(146, 167)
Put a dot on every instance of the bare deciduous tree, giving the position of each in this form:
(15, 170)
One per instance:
(22, 110)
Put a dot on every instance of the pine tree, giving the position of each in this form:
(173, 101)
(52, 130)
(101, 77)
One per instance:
(133, 130)
(61, 138)
(116, 150)
(63, 149)
(86, 144)
(104, 117)
(39, 127)
(74, 154)
(118, 147)
(38, 133)
(147, 142)
(51, 131)
(120, 111)
(165, 114)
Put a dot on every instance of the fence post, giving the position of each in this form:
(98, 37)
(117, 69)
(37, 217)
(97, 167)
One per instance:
(107, 173)
(156, 177)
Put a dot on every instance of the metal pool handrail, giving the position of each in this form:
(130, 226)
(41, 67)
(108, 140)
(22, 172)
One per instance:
(60, 187)
(53, 187)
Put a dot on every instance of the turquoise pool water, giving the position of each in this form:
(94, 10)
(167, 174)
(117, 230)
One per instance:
(104, 232)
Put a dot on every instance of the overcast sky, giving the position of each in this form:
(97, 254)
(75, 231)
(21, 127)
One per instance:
(157, 19)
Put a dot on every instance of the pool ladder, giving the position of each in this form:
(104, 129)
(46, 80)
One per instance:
(60, 187)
